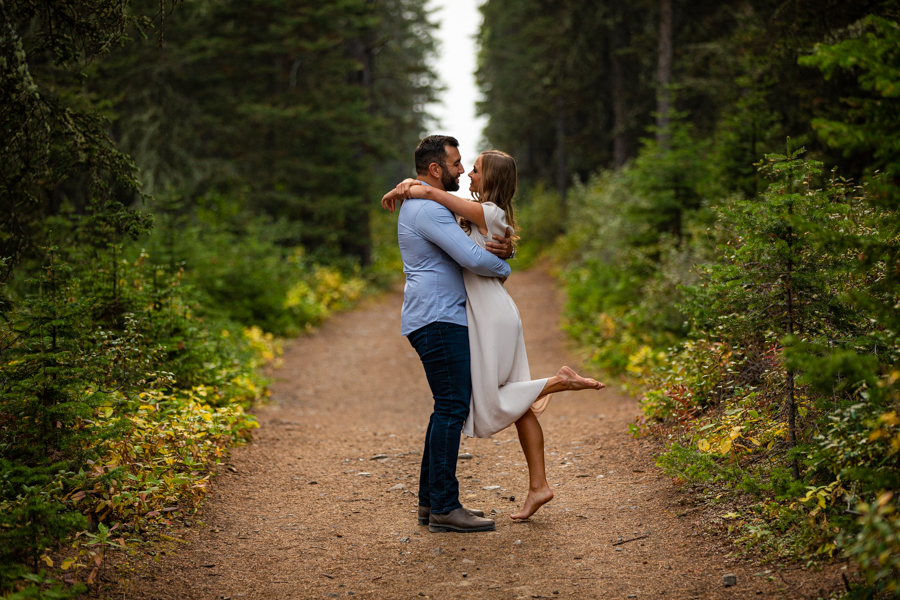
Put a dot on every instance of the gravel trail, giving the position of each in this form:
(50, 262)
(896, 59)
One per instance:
(322, 503)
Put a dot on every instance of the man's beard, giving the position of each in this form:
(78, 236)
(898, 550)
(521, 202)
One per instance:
(448, 181)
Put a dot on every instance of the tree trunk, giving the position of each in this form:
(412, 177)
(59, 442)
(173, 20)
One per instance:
(561, 174)
(364, 241)
(664, 72)
(619, 36)
(359, 244)
(792, 404)
(791, 398)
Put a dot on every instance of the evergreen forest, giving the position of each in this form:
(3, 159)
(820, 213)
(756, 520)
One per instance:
(185, 184)
(182, 184)
(718, 183)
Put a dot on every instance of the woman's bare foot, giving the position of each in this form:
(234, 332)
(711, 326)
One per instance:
(535, 500)
(574, 381)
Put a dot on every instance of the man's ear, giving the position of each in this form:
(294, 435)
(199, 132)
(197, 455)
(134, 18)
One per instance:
(434, 170)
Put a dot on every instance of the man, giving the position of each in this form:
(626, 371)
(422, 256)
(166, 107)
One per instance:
(434, 251)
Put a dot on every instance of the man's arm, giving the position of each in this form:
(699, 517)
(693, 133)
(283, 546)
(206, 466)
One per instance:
(437, 225)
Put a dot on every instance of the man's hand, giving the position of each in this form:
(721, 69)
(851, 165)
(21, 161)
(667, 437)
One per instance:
(503, 247)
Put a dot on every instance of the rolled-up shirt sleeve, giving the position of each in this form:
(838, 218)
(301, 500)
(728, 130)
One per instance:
(437, 225)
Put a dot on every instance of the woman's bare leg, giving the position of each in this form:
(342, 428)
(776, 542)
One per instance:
(567, 379)
(531, 436)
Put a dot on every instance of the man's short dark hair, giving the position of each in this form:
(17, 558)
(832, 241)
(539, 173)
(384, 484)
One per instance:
(433, 149)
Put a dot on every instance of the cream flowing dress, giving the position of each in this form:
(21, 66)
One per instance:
(502, 388)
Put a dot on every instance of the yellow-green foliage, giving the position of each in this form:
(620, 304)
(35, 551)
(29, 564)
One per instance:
(155, 456)
(162, 458)
(267, 349)
(136, 455)
(326, 291)
(886, 427)
(679, 382)
(741, 429)
(159, 454)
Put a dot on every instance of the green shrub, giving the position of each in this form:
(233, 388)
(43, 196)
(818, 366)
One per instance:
(40, 586)
(777, 359)
(876, 547)
(242, 273)
(30, 526)
(539, 222)
(689, 465)
(860, 444)
(633, 238)
(49, 352)
(79, 355)
(684, 380)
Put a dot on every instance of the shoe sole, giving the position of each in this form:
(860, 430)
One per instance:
(424, 520)
(447, 528)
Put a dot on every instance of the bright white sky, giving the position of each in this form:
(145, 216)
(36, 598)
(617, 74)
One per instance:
(459, 22)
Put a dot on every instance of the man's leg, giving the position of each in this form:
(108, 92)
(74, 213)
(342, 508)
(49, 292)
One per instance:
(425, 469)
(444, 351)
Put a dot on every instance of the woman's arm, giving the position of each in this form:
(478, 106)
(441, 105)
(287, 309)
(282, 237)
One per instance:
(472, 211)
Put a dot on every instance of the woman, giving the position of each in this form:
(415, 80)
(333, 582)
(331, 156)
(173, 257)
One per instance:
(503, 392)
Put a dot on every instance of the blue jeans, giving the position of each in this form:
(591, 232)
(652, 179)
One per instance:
(444, 351)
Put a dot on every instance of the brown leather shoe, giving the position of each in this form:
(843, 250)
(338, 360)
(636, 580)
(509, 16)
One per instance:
(459, 520)
(425, 511)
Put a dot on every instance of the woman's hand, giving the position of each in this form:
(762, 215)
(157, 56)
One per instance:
(389, 201)
(404, 186)
(398, 194)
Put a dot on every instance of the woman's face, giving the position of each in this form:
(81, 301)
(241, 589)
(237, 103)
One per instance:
(475, 177)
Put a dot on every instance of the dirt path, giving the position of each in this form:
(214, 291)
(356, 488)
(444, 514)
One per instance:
(313, 512)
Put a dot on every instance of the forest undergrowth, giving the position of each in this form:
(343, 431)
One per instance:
(176, 197)
(760, 331)
(127, 379)
(182, 184)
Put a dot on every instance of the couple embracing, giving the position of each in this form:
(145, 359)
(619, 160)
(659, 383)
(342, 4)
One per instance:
(465, 327)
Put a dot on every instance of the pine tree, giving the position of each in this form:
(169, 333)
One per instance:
(56, 147)
(285, 108)
(775, 283)
(864, 373)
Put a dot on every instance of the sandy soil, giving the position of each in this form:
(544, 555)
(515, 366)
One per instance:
(322, 503)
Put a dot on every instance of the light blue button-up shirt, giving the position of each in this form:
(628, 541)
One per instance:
(434, 251)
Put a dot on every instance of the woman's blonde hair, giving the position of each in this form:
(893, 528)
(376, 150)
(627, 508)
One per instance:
(499, 181)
